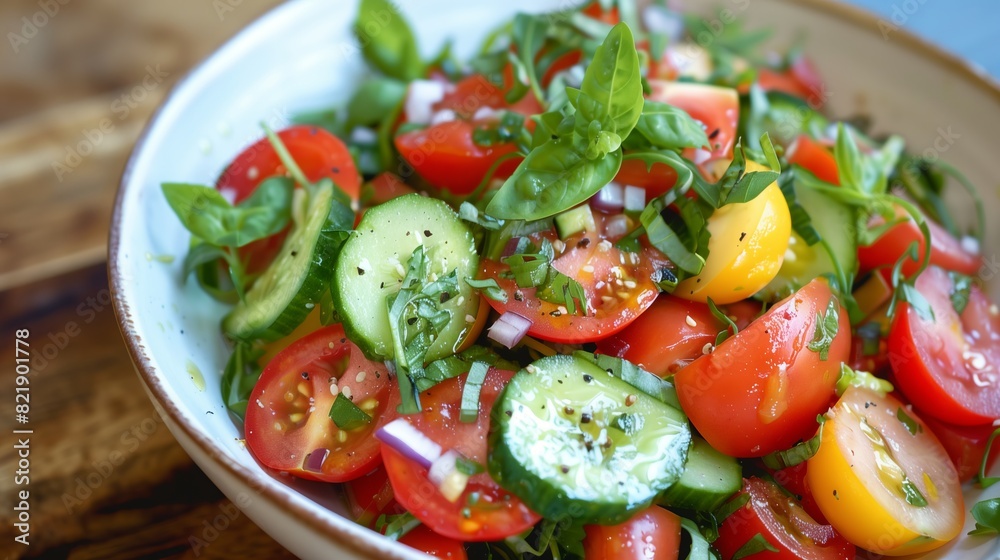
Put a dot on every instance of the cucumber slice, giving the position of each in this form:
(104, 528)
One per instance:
(709, 479)
(835, 223)
(374, 260)
(572, 441)
(295, 281)
(575, 220)
(788, 116)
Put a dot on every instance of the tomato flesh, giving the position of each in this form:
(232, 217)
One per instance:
(947, 365)
(429, 542)
(484, 511)
(619, 289)
(288, 420)
(782, 522)
(965, 445)
(652, 534)
(765, 379)
(946, 251)
(815, 157)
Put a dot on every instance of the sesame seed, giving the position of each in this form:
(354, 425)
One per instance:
(530, 368)
(708, 348)
(347, 392)
(260, 404)
(470, 319)
(630, 284)
(599, 284)
(559, 246)
(630, 400)
(360, 377)
(334, 389)
(691, 322)
(588, 268)
(562, 309)
(604, 246)
(461, 300)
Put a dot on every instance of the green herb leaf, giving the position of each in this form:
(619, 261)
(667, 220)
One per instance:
(373, 101)
(981, 479)
(489, 288)
(553, 178)
(797, 454)
(396, 526)
(612, 84)
(700, 549)
(680, 234)
(730, 328)
(801, 221)
(207, 215)
(751, 184)
(731, 506)
(913, 495)
(528, 36)
(470, 393)
(346, 415)
(239, 376)
(755, 545)
(387, 41)
(670, 128)
(987, 516)
(533, 268)
(911, 425)
(861, 379)
(468, 467)
(961, 289)
(827, 326)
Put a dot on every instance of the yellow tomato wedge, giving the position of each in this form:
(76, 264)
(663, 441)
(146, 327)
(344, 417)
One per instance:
(882, 479)
(746, 249)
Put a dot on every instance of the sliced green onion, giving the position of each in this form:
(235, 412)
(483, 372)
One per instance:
(470, 394)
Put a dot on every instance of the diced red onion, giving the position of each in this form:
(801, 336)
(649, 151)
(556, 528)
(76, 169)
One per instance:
(509, 329)
(314, 461)
(443, 116)
(443, 466)
(616, 226)
(611, 197)
(511, 246)
(635, 198)
(484, 113)
(411, 442)
(445, 475)
(420, 99)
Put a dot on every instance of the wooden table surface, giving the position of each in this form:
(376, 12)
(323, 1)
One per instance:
(84, 64)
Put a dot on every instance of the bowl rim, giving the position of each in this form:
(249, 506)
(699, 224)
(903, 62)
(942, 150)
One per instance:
(337, 527)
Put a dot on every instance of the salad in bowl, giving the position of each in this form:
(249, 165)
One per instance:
(614, 287)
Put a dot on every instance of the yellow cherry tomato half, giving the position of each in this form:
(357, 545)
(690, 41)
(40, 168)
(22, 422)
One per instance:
(882, 479)
(746, 249)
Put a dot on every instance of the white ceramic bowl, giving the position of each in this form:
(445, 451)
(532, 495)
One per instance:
(302, 56)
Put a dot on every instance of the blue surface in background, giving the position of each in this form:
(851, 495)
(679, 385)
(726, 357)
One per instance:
(968, 28)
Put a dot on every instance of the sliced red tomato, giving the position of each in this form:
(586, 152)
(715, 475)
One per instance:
(716, 108)
(317, 152)
(484, 511)
(657, 179)
(815, 157)
(794, 480)
(800, 80)
(619, 288)
(383, 188)
(446, 156)
(369, 496)
(946, 251)
(429, 542)
(652, 534)
(947, 365)
(596, 11)
(782, 522)
(669, 335)
(288, 427)
(965, 445)
(765, 379)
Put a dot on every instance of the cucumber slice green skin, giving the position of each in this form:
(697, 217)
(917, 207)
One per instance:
(709, 479)
(293, 284)
(543, 452)
(574, 221)
(374, 259)
(835, 223)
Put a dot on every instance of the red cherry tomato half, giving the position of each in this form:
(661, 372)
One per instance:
(369, 496)
(669, 335)
(782, 522)
(947, 365)
(965, 445)
(288, 422)
(815, 157)
(794, 480)
(716, 108)
(946, 251)
(772, 395)
(619, 289)
(484, 511)
(317, 152)
(429, 542)
(446, 156)
(652, 534)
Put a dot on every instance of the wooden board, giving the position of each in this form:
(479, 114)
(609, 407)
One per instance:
(77, 87)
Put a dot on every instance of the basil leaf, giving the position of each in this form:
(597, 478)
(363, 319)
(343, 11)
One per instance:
(239, 377)
(207, 215)
(669, 127)
(554, 177)
(528, 35)
(730, 328)
(911, 425)
(981, 479)
(827, 326)
(797, 454)
(987, 516)
(699, 545)
(681, 236)
(346, 415)
(861, 379)
(801, 220)
(387, 42)
(961, 290)
(913, 495)
(489, 288)
(396, 526)
(755, 545)
(373, 101)
(612, 85)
